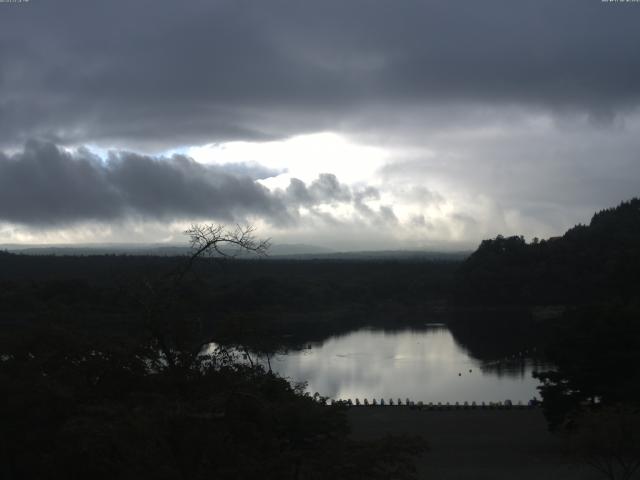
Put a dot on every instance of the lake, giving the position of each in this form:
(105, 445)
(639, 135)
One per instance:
(424, 364)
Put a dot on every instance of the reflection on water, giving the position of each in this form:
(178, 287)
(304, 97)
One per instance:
(424, 364)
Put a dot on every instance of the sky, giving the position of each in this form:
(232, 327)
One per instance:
(347, 124)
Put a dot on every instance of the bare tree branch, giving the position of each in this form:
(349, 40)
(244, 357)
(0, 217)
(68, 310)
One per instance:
(206, 240)
(210, 239)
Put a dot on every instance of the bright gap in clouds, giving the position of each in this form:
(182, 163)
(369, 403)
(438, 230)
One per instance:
(354, 164)
(303, 157)
(421, 217)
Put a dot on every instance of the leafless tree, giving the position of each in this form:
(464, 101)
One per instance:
(172, 333)
(208, 240)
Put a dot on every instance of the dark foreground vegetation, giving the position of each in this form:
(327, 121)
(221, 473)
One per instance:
(285, 300)
(76, 407)
(103, 372)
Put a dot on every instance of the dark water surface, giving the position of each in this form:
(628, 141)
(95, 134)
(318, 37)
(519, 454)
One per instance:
(424, 364)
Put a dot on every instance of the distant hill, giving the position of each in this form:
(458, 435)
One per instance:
(595, 262)
(276, 251)
(145, 249)
(408, 255)
(280, 249)
(97, 249)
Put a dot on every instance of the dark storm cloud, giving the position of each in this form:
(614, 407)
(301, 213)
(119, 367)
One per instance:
(45, 185)
(162, 73)
(326, 189)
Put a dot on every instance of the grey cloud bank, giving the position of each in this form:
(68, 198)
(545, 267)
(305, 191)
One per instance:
(47, 186)
(156, 74)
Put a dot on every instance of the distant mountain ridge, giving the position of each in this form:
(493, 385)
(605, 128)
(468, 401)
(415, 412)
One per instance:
(277, 251)
(145, 249)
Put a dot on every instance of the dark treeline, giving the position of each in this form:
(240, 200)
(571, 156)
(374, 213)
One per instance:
(272, 304)
(595, 262)
(297, 298)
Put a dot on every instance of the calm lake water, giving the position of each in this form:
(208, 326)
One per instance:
(425, 364)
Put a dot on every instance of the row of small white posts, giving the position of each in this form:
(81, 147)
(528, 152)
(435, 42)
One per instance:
(434, 406)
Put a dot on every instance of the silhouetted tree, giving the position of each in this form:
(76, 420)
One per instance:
(178, 336)
(595, 352)
(608, 439)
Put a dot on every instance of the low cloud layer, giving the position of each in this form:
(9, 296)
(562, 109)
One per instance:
(47, 186)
